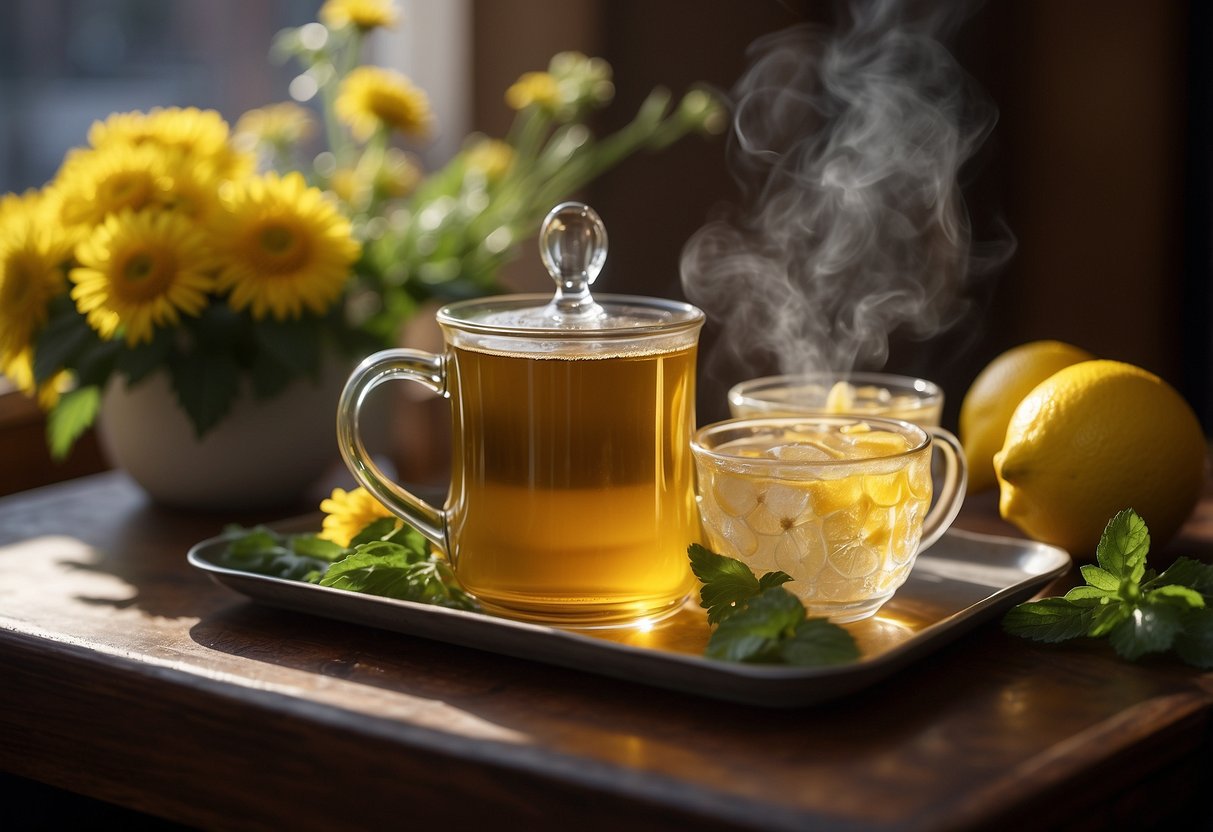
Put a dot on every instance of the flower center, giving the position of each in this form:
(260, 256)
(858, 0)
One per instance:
(143, 275)
(280, 248)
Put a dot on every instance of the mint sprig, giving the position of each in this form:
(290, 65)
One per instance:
(1138, 610)
(758, 620)
(387, 558)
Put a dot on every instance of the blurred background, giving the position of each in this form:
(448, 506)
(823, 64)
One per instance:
(1098, 164)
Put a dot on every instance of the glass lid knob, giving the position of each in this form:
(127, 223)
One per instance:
(573, 245)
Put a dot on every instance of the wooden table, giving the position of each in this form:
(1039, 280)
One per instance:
(125, 675)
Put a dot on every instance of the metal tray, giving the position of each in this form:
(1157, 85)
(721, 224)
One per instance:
(963, 580)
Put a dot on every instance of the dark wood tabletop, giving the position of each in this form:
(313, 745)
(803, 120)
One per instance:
(128, 676)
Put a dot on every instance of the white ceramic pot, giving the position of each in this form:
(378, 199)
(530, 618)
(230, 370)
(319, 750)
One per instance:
(263, 454)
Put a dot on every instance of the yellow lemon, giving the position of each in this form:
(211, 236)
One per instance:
(1093, 439)
(987, 406)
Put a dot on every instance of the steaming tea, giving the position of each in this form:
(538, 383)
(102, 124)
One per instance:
(572, 487)
(863, 394)
(838, 504)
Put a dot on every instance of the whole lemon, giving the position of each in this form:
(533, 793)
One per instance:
(986, 409)
(1093, 439)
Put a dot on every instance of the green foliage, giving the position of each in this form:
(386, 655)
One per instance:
(387, 558)
(1139, 612)
(758, 620)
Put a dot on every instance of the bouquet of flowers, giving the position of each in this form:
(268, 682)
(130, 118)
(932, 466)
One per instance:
(173, 243)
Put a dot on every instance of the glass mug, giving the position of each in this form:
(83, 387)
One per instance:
(839, 503)
(572, 486)
(882, 395)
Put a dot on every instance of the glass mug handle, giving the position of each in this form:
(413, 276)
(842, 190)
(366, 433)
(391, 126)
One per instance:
(951, 494)
(425, 368)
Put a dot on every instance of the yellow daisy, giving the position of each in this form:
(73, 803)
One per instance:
(189, 189)
(199, 134)
(20, 371)
(282, 247)
(142, 271)
(93, 184)
(370, 96)
(365, 14)
(491, 157)
(537, 88)
(280, 125)
(347, 513)
(33, 257)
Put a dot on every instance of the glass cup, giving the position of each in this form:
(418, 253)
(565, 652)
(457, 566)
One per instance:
(843, 505)
(572, 496)
(881, 395)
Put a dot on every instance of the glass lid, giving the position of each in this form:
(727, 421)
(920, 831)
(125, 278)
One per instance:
(573, 245)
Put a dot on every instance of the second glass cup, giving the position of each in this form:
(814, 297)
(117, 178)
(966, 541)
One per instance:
(882, 395)
(838, 503)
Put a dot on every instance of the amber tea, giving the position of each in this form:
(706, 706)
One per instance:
(572, 488)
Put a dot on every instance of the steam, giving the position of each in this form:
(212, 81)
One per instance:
(848, 148)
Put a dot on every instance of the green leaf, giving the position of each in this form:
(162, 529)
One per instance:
(1087, 593)
(752, 632)
(1187, 572)
(1108, 617)
(392, 530)
(138, 362)
(64, 336)
(1123, 546)
(771, 579)
(269, 376)
(1049, 619)
(1100, 578)
(312, 546)
(72, 415)
(206, 387)
(265, 552)
(392, 571)
(293, 343)
(1173, 593)
(726, 582)
(818, 642)
(1194, 644)
(1150, 628)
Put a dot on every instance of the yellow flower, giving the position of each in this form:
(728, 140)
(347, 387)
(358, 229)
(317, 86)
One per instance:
(282, 247)
(93, 184)
(491, 157)
(20, 371)
(33, 257)
(141, 271)
(365, 14)
(188, 189)
(200, 134)
(398, 175)
(347, 513)
(537, 88)
(370, 96)
(280, 125)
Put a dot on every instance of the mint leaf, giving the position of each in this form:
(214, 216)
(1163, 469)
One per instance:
(1194, 644)
(1087, 593)
(392, 530)
(1049, 619)
(311, 546)
(1123, 546)
(1108, 617)
(1151, 628)
(72, 415)
(752, 632)
(771, 579)
(1187, 572)
(393, 571)
(726, 582)
(1100, 578)
(140, 361)
(1179, 595)
(265, 552)
(818, 642)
